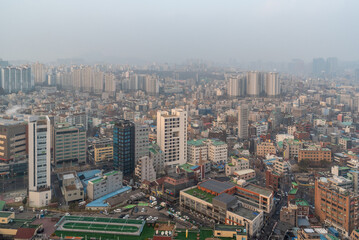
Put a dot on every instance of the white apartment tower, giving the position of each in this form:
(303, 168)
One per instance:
(236, 86)
(272, 84)
(172, 136)
(243, 114)
(254, 83)
(39, 140)
(141, 141)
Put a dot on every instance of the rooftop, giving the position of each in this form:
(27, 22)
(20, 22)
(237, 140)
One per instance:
(8, 122)
(194, 142)
(225, 198)
(301, 202)
(222, 227)
(246, 213)
(216, 186)
(101, 201)
(200, 194)
(293, 191)
(258, 189)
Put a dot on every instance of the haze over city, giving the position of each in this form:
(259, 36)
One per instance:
(172, 31)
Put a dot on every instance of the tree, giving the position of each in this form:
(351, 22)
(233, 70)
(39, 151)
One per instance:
(24, 201)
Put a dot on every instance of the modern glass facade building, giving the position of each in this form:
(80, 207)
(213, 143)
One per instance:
(124, 147)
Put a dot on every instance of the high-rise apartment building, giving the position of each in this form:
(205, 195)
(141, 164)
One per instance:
(255, 83)
(69, 145)
(14, 79)
(172, 136)
(141, 141)
(39, 140)
(151, 85)
(124, 147)
(236, 85)
(39, 73)
(272, 84)
(243, 114)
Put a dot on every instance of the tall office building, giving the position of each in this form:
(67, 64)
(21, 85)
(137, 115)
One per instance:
(141, 141)
(172, 136)
(236, 86)
(69, 145)
(243, 114)
(39, 145)
(255, 83)
(272, 84)
(124, 147)
(39, 73)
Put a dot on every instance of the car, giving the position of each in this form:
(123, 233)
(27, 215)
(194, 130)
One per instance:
(143, 210)
(122, 215)
(118, 210)
(135, 210)
(160, 208)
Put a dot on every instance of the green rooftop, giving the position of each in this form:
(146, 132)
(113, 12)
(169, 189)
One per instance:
(301, 202)
(200, 194)
(293, 191)
(110, 173)
(194, 142)
(5, 214)
(294, 184)
(217, 142)
(186, 167)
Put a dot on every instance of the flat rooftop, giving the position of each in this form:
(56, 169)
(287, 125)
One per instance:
(222, 227)
(258, 189)
(216, 186)
(246, 213)
(205, 196)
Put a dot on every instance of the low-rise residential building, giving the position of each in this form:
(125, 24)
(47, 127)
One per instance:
(71, 187)
(291, 148)
(281, 166)
(196, 150)
(236, 164)
(245, 174)
(272, 180)
(315, 155)
(265, 148)
(217, 151)
(103, 150)
(105, 184)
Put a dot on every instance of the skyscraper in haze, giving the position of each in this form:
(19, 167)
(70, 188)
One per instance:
(272, 84)
(332, 65)
(14, 79)
(243, 114)
(172, 136)
(319, 66)
(39, 140)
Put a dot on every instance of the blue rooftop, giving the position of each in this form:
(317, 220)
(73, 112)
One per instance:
(101, 201)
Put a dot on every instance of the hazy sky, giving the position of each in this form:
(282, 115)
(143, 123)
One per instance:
(167, 30)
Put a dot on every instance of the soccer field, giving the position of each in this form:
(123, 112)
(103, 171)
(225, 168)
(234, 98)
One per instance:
(100, 227)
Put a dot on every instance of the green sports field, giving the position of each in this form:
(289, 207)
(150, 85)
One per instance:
(104, 220)
(99, 227)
